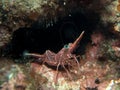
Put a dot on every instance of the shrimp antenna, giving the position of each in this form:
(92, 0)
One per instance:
(33, 54)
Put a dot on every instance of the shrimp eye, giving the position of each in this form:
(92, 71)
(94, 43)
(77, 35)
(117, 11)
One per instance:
(66, 46)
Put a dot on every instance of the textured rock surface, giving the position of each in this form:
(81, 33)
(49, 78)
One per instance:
(99, 66)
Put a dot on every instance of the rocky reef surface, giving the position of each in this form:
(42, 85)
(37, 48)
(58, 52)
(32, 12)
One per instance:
(38, 25)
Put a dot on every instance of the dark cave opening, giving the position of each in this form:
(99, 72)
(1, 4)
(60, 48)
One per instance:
(38, 39)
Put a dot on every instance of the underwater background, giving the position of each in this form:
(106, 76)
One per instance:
(59, 44)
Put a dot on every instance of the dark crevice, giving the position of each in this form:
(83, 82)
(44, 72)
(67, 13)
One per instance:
(38, 39)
